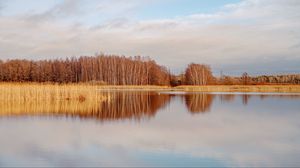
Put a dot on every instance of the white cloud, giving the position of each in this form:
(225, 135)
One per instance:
(60, 11)
(252, 33)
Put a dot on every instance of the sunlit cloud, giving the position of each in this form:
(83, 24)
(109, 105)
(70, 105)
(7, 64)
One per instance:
(254, 36)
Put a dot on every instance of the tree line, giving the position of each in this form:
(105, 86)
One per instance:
(246, 79)
(121, 70)
(103, 69)
(201, 74)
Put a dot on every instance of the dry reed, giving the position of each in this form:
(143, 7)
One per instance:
(77, 100)
(25, 98)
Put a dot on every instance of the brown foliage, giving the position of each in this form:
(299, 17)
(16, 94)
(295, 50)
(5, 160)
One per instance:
(198, 74)
(278, 79)
(121, 70)
(113, 70)
(245, 79)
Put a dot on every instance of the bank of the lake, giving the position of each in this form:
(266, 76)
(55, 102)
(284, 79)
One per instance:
(242, 88)
(184, 88)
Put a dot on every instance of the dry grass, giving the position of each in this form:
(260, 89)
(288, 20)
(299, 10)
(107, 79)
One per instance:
(78, 100)
(242, 88)
(16, 99)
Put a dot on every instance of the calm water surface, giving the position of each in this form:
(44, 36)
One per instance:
(156, 129)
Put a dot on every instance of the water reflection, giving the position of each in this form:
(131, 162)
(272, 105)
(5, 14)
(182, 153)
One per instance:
(245, 98)
(130, 105)
(227, 97)
(121, 105)
(199, 103)
(112, 106)
(245, 130)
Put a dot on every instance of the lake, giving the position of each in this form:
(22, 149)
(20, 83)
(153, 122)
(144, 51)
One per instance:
(154, 129)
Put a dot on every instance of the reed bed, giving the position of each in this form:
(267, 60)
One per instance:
(52, 99)
(77, 100)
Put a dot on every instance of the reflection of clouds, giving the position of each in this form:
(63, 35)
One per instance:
(252, 135)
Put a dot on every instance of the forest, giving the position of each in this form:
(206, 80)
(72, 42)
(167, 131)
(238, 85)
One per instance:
(112, 70)
(121, 70)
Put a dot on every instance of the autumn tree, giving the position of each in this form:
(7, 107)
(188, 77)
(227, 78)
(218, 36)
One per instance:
(245, 78)
(108, 69)
(198, 74)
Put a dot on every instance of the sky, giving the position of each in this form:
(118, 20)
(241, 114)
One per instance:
(233, 36)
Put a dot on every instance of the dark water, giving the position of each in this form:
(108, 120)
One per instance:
(158, 129)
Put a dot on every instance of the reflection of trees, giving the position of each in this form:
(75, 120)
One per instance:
(199, 102)
(245, 98)
(227, 97)
(105, 105)
(131, 105)
(296, 96)
(111, 106)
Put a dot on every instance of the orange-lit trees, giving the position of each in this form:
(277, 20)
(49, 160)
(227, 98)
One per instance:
(245, 78)
(109, 69)
(198, 74)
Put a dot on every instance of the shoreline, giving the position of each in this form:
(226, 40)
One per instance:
(243, 88)
(183, 88)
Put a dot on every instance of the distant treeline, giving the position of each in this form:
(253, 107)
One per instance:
(199, 74)
(113, 70)
(245, 79)
(120, 70)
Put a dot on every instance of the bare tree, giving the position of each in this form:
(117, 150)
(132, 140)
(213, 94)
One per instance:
(245, 78)
(198, 74)
(109, 69)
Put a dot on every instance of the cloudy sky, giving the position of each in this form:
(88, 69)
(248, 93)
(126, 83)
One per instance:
(257, 36)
